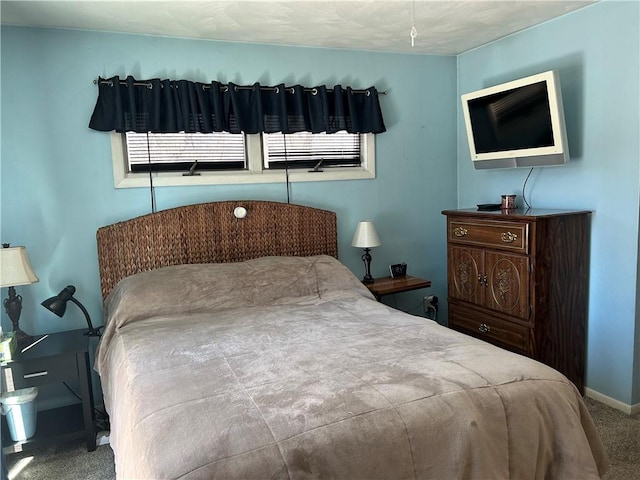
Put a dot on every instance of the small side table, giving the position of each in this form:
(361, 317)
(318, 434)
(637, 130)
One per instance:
(388, 285)
(59, 358)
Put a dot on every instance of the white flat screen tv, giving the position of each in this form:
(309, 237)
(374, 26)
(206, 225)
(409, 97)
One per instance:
(517, 124)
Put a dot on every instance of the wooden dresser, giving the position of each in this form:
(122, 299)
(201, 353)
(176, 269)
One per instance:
(519, 279)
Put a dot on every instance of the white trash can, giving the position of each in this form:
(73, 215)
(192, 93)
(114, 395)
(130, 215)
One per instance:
(20, 408)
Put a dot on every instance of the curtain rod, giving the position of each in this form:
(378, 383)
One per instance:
(226, 87)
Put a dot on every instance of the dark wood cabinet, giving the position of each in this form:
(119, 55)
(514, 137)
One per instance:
(519, 279)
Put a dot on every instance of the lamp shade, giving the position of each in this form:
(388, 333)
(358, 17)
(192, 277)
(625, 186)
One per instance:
(15, 268)
(365, 236)
(58, 304)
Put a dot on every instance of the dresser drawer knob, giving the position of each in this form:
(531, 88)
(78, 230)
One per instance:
(36, 374)
(508, 237)
(484, 328)
(460, 231)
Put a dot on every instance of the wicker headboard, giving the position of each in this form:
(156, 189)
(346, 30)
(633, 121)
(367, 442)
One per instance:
(210, 233)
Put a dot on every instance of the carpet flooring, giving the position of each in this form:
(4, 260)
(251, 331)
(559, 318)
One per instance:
(620, 434)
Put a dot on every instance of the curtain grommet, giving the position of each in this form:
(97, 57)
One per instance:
(314, 91)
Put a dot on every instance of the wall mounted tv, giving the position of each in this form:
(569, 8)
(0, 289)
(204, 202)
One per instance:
(517, 124)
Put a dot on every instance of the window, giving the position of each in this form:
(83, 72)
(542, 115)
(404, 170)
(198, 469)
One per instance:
(163, 152)
(311, 150)
(224, 158)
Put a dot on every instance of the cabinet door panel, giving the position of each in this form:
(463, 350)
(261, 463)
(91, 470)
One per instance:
(465, 269)
(508, 284)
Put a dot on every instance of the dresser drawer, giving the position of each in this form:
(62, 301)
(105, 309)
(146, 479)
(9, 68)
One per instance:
(509, 335)
(510, 236)
(40, 371)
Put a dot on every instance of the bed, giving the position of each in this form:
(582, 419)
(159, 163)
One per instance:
(242, 348)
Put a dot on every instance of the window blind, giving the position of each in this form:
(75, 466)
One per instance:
(179, 151)
(306, 150)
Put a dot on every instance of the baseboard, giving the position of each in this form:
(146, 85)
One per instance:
(612, 402)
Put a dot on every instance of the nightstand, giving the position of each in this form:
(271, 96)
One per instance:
(61, 358)
(388, 285)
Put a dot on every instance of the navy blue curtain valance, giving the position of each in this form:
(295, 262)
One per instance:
(168, 106)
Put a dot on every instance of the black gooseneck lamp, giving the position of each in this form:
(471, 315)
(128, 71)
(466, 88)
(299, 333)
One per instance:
(58, 305)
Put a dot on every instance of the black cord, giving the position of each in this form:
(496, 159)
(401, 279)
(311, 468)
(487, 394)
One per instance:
(286, 166)
(151, 190)
(524, 197)
(412, 309)
(101, 418)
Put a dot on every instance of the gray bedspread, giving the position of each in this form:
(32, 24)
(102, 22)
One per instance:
(286, 367)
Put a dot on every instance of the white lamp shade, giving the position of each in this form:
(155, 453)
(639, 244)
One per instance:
(15, 268)
(365, 236)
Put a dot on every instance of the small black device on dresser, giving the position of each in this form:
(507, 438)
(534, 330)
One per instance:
(398, 270)
(59, 358)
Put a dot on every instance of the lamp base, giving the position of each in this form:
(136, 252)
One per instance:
(366, 258)
(22, 339)
(13, 307)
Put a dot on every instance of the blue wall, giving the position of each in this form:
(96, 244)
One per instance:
(596, 53)
(57, 185)
(57, 182)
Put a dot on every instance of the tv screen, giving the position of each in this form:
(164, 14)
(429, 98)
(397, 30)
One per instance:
(519, 123)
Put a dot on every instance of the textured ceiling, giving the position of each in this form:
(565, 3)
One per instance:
(444, 27)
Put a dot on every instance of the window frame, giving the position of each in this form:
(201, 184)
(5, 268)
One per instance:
(252, 175)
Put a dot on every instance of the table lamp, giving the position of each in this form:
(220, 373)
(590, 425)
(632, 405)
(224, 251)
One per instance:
(15, 270)
(366, 237)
